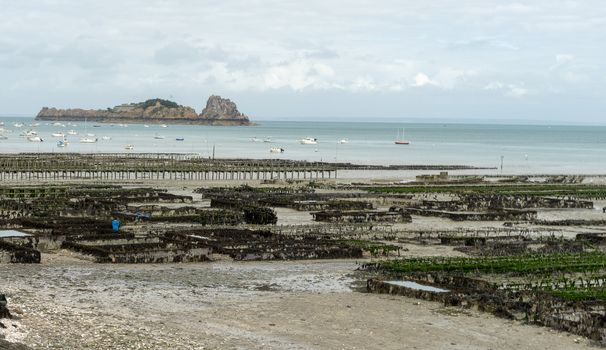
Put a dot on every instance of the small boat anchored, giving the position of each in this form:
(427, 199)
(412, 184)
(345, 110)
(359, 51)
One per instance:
(58, 134)
(159, 137)
(29, 133)
(400, 138)
(309, 141)
(276, 150)
(129, 147)
(35, 139)
(88, 140)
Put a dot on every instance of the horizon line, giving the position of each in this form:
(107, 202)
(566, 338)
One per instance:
(415, 120)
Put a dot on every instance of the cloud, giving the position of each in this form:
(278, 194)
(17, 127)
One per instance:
(482, 44)
(514, 8)
(422, 79)
(562, 59)
(299, 75)
(511, 90)
(537, 49)
(517, 90)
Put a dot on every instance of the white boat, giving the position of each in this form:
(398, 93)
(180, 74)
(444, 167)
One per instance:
(164, 126)
(276, 150)
(106, 138)
(88, 140)
(309, 141)
(29, 133)
(343, 141)
(72, 132)
(18, 125)
(90, 135)
(57, 124)
(35, 139)
(58, 134)
(255, 139)
(129, 147)
(159, 137)
(267, 139)
(145, 126)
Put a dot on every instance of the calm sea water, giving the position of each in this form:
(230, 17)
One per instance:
(524, 148)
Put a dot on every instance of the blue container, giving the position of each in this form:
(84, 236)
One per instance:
(116, 225)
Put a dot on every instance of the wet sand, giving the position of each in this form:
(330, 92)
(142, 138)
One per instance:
(69, 303)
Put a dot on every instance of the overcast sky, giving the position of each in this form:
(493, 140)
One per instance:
(539, 60)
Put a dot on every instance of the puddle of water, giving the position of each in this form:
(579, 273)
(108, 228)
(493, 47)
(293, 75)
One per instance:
(13, 233)
(417, 286)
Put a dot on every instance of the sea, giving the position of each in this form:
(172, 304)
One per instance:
(508, 149)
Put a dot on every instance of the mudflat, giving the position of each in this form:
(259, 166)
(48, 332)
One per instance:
(68, 303)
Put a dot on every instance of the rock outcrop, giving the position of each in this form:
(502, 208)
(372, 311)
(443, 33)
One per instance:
(218, 111)
(222, 110)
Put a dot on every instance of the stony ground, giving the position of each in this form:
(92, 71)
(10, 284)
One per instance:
(66, 303)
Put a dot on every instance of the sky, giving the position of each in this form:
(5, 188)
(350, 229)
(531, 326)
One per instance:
(362, 60)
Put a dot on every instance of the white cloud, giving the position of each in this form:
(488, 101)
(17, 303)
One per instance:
(494, 85)
(517, 90)
(299, 75)
(511, 90)
(564, 58)
(515, 8)
(422, 79)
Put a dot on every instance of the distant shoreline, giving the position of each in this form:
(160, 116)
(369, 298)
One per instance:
(382, 121)
(155, 121)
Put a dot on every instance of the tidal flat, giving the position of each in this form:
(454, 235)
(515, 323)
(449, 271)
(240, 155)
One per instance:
(509, 262)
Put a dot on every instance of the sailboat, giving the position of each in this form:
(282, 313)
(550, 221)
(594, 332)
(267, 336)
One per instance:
(88, 138)
(400, 138)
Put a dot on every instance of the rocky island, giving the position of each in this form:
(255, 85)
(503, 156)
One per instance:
(218, 111)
